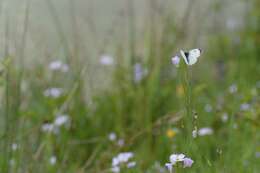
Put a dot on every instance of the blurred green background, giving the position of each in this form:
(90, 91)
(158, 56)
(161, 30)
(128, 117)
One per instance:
(82, 81)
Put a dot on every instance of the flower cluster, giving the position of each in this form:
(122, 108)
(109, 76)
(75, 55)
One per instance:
(122, 160)
(60, 120)
(175, 158)
(53, 92)
(113, 138)
(58, 66)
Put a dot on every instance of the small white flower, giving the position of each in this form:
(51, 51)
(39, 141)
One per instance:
(14, 146)
(244, 107)
(139, 72)
(112, 136)
(169, 167)
(176, 158)
(208, 108)
(58, 65)
(53, 92)
(53, 160)
(122, 159)
(47, 127)
(115, 169)
(115, 161)
(205, 131)
(224, 117)
(55, 65)
(106, 60)
(233, 88)
(131, 164)
(61, 119)
(121, 142)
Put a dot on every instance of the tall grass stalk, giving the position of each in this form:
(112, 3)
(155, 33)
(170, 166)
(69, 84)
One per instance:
(5, 166)
(188, 119)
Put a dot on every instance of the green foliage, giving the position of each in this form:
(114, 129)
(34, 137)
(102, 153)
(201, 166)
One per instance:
(144, 113)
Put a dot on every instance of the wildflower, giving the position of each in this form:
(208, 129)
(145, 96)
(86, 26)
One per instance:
(171, 133)
(115, 169)
(208, 108)
(176, 60)
(131, 164)
(122, 159)
(121, 142)
(61, 119)
(224, 117)
(112, 136)
(233, 88)
(58, 65)
(53, 160)
(14, 146)
(244, 107)
(106, 60)
(169, 167)
(205, 131)
(174, 158)
(47, 127)
(139, 72)
(187, 162)
(53, 92)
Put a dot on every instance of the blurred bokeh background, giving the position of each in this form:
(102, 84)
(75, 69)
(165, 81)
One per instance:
(82, 81)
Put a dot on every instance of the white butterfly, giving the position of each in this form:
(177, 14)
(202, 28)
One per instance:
(191, 57)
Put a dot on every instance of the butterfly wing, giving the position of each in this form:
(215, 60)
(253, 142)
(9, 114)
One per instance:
(194, 54)
(193, 60)
(185, 56)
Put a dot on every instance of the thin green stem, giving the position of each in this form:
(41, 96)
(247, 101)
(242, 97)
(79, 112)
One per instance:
(188, 105)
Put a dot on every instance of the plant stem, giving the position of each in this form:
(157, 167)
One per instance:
(188, 104)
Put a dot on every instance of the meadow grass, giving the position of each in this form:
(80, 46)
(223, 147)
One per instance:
(60, 117)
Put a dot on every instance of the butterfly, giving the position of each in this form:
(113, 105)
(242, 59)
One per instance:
(192, 56)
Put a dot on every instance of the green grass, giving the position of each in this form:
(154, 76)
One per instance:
(141, 113)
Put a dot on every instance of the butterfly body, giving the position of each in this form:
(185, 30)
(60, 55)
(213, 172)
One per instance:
(191, 57)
